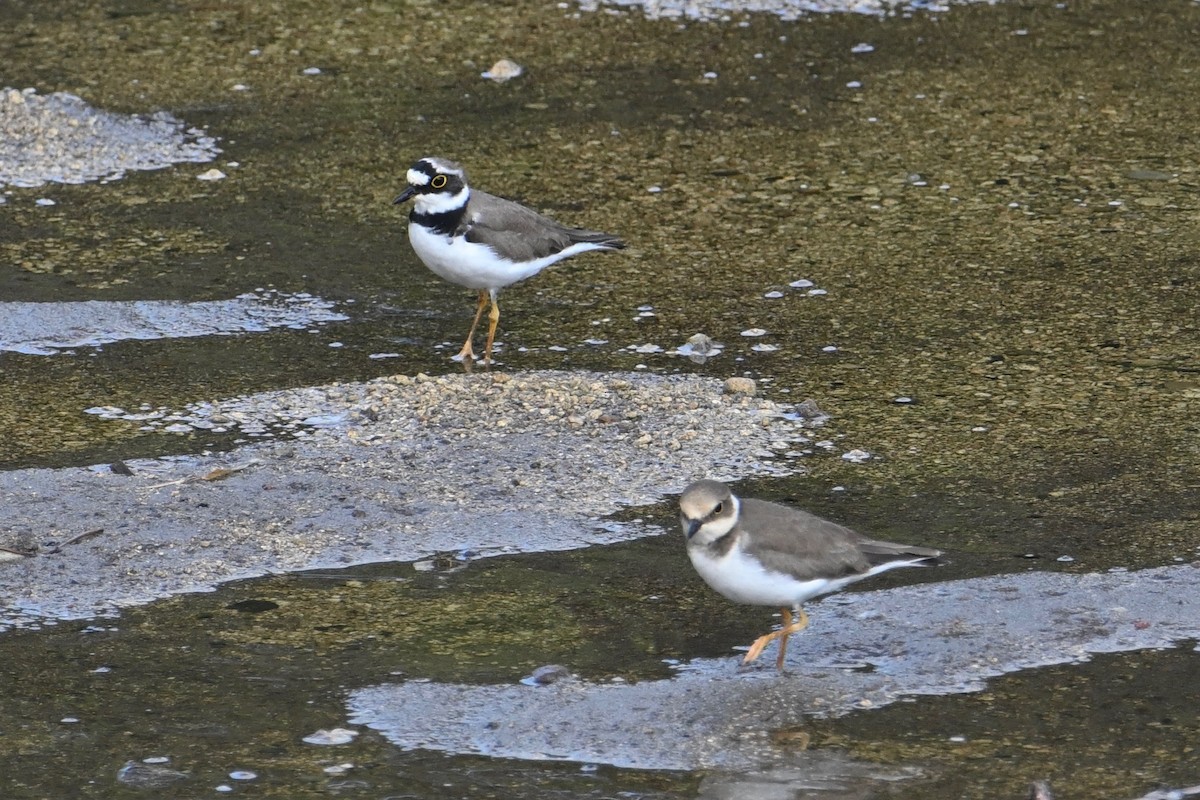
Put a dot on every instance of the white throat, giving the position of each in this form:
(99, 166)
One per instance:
(441, 203)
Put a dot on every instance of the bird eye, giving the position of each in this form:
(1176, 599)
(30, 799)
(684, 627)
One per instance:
(438, 181)
(720, 507)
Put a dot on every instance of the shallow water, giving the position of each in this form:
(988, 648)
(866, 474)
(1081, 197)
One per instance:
(233, 680)
(998, 200)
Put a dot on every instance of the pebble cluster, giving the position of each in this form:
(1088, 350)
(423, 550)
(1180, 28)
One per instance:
(59, 138)
(397, 468)
(667, 411)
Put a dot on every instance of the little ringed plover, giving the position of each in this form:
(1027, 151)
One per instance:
(481, 241)
(762, 553)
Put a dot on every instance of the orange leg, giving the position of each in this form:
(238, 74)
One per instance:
(467, 354)
(493, 321)
(789, 627)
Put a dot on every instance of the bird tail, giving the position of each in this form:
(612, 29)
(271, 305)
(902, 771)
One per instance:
(884, 552)
(604, 241)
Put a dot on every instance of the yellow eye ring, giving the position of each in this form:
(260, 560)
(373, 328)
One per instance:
(438, 181)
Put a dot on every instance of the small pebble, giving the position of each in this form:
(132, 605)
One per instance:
(148, 775)
(738, 385)
(752, 332)
(701, 344)
(546, 675)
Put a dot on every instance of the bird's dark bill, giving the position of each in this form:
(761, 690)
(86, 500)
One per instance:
(407, 194)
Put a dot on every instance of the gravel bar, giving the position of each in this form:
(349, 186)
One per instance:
(396, 468)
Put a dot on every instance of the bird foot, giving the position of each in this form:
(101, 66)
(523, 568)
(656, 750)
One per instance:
(759, 645)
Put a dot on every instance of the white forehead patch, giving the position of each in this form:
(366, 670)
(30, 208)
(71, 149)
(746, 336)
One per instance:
(416, 178)
(445, 167)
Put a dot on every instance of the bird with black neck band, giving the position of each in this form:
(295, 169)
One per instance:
(483, 242)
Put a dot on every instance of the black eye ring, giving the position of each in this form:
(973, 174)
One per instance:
(438, 181)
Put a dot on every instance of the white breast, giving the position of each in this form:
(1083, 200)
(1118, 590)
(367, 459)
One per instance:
(743, 579)
(477, 266)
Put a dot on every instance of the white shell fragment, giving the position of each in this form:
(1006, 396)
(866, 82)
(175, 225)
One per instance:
(503, 70)
(331, 736)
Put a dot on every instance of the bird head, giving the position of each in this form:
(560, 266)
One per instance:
(439, 185)
(707, 511)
